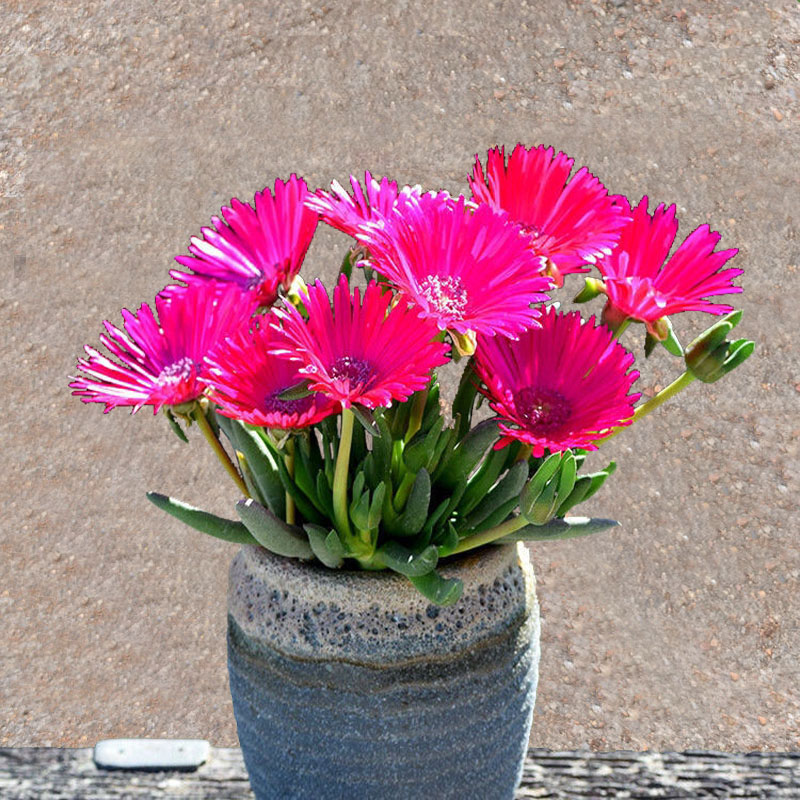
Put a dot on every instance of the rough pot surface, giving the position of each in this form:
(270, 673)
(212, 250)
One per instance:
(351, 684)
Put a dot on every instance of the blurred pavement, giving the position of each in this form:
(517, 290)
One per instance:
(125, 126)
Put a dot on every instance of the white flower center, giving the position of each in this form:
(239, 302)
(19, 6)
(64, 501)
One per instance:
(445, 295)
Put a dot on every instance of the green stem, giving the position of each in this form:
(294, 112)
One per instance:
(524, 453)
(492, 534)
(289, 461)
(199, 417)
(341, 474)
(403, 491)
(619, 331)
(417, 413)
(678, 385)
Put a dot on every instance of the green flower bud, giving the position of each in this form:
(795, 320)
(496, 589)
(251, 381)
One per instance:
(710, 355)
(591, 288)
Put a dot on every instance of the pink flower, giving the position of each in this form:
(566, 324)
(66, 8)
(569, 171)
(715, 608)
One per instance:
(258, 249)
(162, 357)
(373, 203)
(569, 223)
(559, 386)
(640, 285)
(361, 352)
(467, 270)
(246, 381)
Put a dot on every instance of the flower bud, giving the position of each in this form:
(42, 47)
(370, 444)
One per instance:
(613, 317)
(710, 355)
(591, 288)
(465, 343)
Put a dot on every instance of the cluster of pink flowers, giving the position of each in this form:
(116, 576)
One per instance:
(472, 271)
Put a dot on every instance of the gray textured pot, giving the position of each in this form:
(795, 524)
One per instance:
(351, 685)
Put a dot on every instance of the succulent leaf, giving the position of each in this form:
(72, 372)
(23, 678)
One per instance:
(568, 528)
(318, 540)
(440, 591)
(226, 529)
(273, 533)
(400, 559)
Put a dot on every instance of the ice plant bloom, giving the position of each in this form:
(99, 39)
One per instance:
(468, 270)
(246, 380)
(638, 283)
(161, 355)
(562, 385)
(258, 248)
(369, 351)
(372, 203)
(572, 223)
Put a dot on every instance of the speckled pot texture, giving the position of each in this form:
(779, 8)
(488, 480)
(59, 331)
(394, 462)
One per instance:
(352, 685)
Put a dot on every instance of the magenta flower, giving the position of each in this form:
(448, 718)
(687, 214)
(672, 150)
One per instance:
(569, 223)
(559, 386)
(246, 380)
(466, 269)
(640, 285)
(162, 357)
(373, 203)
(258, 249)
(363, 352)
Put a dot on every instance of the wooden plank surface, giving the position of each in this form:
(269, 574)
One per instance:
(35, 773)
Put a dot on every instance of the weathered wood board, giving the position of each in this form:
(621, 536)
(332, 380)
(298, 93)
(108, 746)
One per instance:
(33, 773)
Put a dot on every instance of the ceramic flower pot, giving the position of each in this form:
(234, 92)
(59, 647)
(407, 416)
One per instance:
(352, 685)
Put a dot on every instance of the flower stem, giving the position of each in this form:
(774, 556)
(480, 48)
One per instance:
(621, 329)
(491, 535)
(289, 461)
(341, 472)
(678, 385)
(417, 412)
(199, 416)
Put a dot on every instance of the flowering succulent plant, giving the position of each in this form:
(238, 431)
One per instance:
(337, 437)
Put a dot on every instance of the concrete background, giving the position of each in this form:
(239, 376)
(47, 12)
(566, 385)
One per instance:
(125, 126)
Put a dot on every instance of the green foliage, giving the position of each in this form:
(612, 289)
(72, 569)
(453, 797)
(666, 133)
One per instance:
(226, 529)
(418, 490)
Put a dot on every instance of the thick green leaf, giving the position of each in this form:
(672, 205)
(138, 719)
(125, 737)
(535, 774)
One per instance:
(226, 529)
(318, 539)
(464, 401)
(468, 452)
(445, 509)
(433, 408)
(273, 533)
(367, 420)
(508, 487)
(296, 392)
(500, 514)
(449, 541)
(400, 559)
(546, 505)
(566, 478)
(440, 591)
(535, 486)
(324, 494)
(376, 506)
(598, 479)
(261, 462)
(415, 513)
(569, 528)
(577, 495)
(304, 505)
(482, 481)
(418, 453)
(173, 423)
(671, 343)
(359, 508)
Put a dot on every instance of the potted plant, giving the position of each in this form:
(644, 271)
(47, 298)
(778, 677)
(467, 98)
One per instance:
(383, 624)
